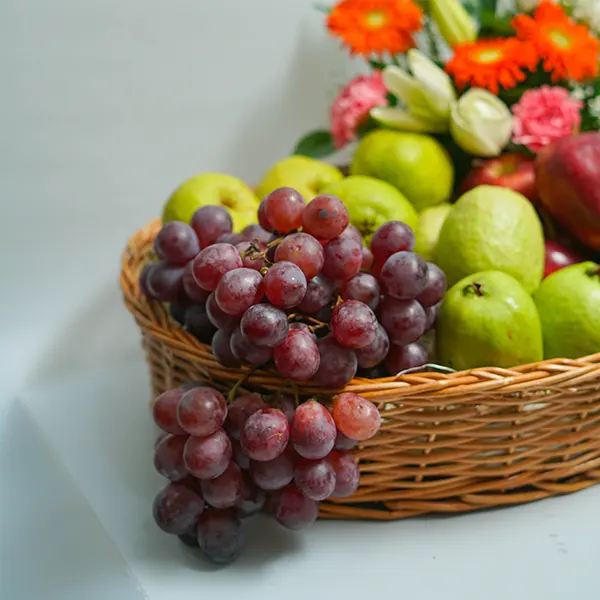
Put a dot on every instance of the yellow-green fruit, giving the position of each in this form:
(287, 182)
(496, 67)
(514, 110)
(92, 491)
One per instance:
(428, 231)
(213, 188)
(304, 174)
(371, 203)
(492, 228)
(568, 302)
(416, 164)
(488, 320)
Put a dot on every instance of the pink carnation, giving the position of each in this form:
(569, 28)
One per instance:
(544, 115)
(353, 104)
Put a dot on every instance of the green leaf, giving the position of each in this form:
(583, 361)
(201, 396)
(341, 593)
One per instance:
(323, 8)
(493, 26)
(488, 6)
(316, 144)
(377, 64)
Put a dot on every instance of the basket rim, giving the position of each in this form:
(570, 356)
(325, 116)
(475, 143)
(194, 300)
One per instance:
(152, 315)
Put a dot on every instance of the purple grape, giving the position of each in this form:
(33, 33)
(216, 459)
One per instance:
(265, 434)
(168, 457)
(404, 320)
(285, 284)
(207, 457)
(304, 251)
(213, 262)
(238, 290)
(351, 233)
(435, 286)
(210, 223)
(176, 243)
(164, 411)
(343, 258)
(292, 509)
(264, 325)
(404, 275)
(202, 411)
(297, 357)
(315, 478)
(191, 288)
(176, 508)
(255, 233)
(401, 358)
(313, 430)
(198, 324)
(246, 352)
(325, 217)
(364, 288)
(319, 293)
(239, 411)
(337, 366)
(391, 237)
(220, 535)
(343, 442)
(347, 474)
(221, 349)
(273, 474)
(164, 282)
(218, 318)
(224, 491)
(253, 499)
(374, 353)
(354, 324)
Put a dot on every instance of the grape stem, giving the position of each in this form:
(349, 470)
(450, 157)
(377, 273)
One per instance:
(238, 384)
(256, 253)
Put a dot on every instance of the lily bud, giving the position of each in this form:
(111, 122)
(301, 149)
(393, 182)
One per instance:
(425, 91)
(480, 123)
(454, 22)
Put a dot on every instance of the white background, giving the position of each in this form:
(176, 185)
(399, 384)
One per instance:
(106, 105)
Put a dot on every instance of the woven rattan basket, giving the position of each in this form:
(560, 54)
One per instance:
(449, 443)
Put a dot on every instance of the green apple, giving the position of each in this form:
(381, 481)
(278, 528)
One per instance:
(492, 228)
(213, 188)
(417, 164)
(428, 231)
(306, 175)
(371, 203)
(488, 320)
(568, 302)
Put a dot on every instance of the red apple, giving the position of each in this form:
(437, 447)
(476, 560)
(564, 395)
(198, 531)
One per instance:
(558, 257)
(513, 171)
(568, 179)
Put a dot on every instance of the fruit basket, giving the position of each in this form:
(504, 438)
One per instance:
(449, 442)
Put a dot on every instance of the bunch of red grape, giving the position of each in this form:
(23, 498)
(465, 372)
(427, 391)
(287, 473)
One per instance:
(226, 463)
(299, 290)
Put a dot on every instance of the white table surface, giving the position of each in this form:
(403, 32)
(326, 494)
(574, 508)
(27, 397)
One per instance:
(106, 106)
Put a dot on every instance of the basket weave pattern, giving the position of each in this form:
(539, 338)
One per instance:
(449, 443)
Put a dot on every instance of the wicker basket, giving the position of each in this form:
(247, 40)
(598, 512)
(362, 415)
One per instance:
(450, 443)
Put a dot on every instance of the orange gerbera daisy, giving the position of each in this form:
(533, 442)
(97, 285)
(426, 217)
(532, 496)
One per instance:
(567, 49)
(492, 64)
(376, 26)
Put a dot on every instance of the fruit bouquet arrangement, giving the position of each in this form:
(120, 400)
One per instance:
(417, 333)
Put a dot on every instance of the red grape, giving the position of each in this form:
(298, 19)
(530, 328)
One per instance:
(176, 243)
(176, 508)
(401, 358)
(355, 416)
(218, 318)
(250, 253)
(273, 474)
(191, 288)
(374, 353)
(245, 351)
(283, 208)
(220, 535)
(238, 290)
(391, 237)
(347, 474)
(343, 442)
(343, 259)
(239, 411)
(377, 372)
(354, 324)
(286, 404)
(299, 326)
(164, 281)
(196, 321)
(177, 310)
(352, 233)
(168, 457)
(313, 430)
(302, 250)
(255, 233)
(225, 490)
(315, 478)
(264, 325)
(338, 364)
(404, 320)
(319, 293)
(362, 287)
(265, 434)
(213, 262)
(262, 217)
(367, 259)
(325, 217)
(435, 286)
(404, 275)
(253, 499)
(207, 457)
(164, 411)
(239, 458)
(202, 411)
(292, 509)
(285, 284)
(210, 223)
(297, 357)
(221, 349)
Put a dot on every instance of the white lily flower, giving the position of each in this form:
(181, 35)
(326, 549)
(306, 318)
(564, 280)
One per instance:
(426, 93)
(480, 123)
